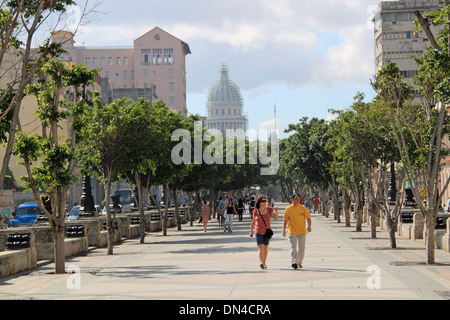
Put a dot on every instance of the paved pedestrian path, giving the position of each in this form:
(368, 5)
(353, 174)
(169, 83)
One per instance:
(193, 265)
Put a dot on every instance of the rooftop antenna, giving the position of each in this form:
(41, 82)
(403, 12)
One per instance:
(275, 117)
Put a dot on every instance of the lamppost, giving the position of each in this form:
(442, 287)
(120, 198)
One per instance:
(392, 192)
(87, 207)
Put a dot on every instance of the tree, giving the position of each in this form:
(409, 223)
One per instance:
(146, 155)
(419, 133)
(20, 20)
(107, 143)
(305, 157)
(54, 174)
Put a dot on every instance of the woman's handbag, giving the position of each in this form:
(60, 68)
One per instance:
(269, 232)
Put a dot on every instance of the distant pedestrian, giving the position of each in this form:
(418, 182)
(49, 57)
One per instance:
(229, 214)
(316, 204)
(241, 207)
(205, 214)
(296, 216)
(308, 204)
(251, 205)
(261, 222)
(220, 211)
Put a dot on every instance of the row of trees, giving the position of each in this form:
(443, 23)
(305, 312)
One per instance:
(125, 139)
(134, 140)
(402, 130)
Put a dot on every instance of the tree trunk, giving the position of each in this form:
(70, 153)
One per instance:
(58, 241)
(177, 212)
(358, 211)
(59, 230)
(373, 219)
(166, 208)
(109, 220)
(191, 215)
(392, 228)
(430, 222)
(347, 205)
(140, 204)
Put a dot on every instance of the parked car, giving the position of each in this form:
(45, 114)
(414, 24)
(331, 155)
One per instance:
(126, 199)
(73, 215)
(25, 215)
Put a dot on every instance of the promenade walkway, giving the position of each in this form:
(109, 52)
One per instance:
(192, 265)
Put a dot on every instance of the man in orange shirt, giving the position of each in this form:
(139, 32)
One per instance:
(296, 216)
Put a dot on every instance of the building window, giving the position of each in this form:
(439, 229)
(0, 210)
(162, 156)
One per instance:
(125, 75)
(117, 76)
(125, 60)
(171, 101)
(170, 73)
(107, 74)
(86, 61)
(145, 74)
(171, 86)
(157, 56)
(145, 57)
(94, 61)
(110, 60)
(102, 61)
(132, 75)
(118, 60)
(168, 56)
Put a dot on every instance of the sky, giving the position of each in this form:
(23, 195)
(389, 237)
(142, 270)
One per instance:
(302, 56)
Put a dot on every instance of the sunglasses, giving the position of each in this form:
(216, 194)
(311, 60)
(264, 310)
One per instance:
(263, 200)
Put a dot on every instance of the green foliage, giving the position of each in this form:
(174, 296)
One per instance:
(8, 96)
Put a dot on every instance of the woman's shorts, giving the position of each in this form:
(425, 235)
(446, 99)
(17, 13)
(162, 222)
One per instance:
(261, 239)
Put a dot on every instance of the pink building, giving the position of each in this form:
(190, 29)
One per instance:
(154, 67)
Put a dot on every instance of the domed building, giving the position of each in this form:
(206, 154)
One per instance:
(225, 106)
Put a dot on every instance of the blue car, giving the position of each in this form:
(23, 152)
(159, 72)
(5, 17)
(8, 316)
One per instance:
(25, 215)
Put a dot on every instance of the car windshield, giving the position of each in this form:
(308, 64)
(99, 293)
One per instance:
(74, 211)
(125, 196)
(28, 210)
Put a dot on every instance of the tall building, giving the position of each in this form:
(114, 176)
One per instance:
(154, 67)
(395, 40)
(225, 106)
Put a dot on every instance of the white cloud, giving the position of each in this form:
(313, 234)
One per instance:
(273, 124)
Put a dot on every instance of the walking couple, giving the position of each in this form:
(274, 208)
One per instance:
(295, 217)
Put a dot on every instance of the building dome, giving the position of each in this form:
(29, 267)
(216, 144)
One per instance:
(225, 106)
(225, 92)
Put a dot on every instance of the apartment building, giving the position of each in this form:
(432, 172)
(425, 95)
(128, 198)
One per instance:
(395, 40)
(153, 67)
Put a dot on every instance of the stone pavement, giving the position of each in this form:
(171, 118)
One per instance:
(339, 264)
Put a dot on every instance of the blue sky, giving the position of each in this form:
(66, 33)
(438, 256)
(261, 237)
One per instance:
(304, 56)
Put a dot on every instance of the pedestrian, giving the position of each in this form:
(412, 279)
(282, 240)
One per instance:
(316, 204)
(260, 223)
(205, 214)
(241, 207)
(251, 205)
(229, 215)
(308, 204)
(220, 211)
(296, 216)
